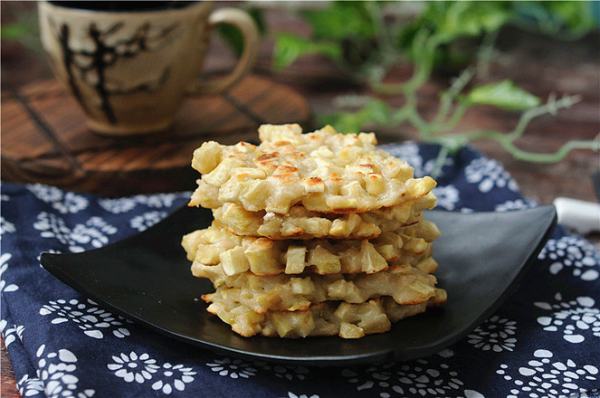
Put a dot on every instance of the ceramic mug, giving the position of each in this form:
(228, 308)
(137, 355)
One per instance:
(131, 69)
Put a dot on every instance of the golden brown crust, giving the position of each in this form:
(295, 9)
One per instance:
(323, 171)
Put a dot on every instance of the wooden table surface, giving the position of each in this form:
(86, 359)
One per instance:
(541, 65)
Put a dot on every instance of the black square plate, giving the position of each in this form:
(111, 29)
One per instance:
(147, 279)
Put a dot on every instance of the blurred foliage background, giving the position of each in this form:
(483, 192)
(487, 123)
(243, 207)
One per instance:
(454, 39)
(367, 39)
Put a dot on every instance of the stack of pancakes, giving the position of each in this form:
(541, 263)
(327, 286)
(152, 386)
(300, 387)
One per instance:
(313, 234)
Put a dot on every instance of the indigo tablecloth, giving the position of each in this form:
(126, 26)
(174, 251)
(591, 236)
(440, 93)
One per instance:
(544, 342)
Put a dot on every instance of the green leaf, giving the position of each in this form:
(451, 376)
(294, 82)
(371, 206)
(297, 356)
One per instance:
(289, 47)
(574, 15)
(374, 112)
(233, 36)
(504, 95)
(341, 20)
(456, 19)
(555, 18)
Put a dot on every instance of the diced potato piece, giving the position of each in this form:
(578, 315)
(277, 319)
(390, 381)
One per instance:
(378, 323)
(263, 257)
(441, 296)
(324, 261)
(353, 189)
(293, 324)
(350, 331)
(428, 265)
(304, 286)
(237, 217)
(388, 251)
(270, 226)
(205, 195)
(374, 183)
(415, 293)
(315, 226)
(207, 254)
(351, 261)
(346, 291)
(367, 230)
(343, 227)
(284, 132)
(290, 228)
(295, 259)
(428, 231)
(313, 184)
(348, 154)
(234, 261)
(190, 243)
(426, 202)
(419, 187)
(339, 202)
(254, 194)
(207, 157)
(416, 245)
(371, 260)
(366, 138)
(220, 174)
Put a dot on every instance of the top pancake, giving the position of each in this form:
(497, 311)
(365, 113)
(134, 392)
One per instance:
(323, 171)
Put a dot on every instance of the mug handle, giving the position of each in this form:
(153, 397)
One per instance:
(247, 27)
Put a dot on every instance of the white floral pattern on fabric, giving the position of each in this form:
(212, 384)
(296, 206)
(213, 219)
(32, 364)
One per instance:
(543, 377)
(574, 318)
(233, 368)
(292, 395)
(117, 206)
(489, 174)
(431, 164)
(56, 370)
(419, 379)
(6, 227)
(12, 333)
(447, 196)
(575, 253)
(146, 220)
(64, 202)
(446, 353)
(286, 372)
(28, 387)
(161, 200)
(157, 201)
(133, 367)
(93, 234)
(87, 316)
(165, 378)
(173, 377)
(495, 334)
(5, 287)
(45, 193)
(517, 204)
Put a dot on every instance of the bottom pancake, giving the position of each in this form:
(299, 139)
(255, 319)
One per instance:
(329, 318)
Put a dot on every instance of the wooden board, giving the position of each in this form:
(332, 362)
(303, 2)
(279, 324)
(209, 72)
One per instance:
(44, 138)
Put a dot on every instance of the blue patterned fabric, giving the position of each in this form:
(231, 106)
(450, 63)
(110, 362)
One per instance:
(544, 342)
